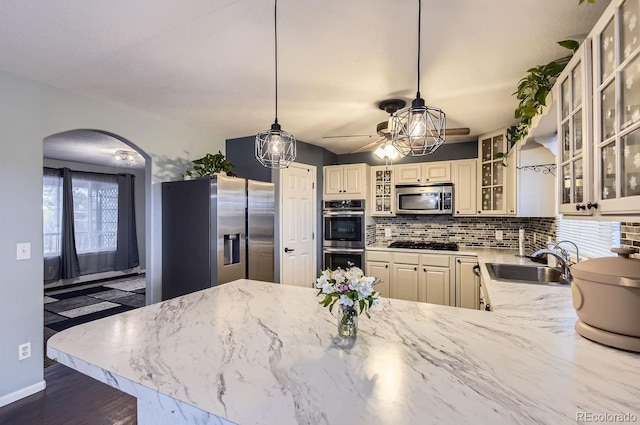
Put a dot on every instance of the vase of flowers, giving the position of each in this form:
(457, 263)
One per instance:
(351, 290)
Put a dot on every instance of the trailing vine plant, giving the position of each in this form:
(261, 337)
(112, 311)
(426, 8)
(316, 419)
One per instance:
(533, 90)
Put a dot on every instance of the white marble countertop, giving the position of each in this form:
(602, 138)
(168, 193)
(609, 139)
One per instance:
(262, 353)
(547, 306)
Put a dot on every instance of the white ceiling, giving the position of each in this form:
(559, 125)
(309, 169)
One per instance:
(209, 63)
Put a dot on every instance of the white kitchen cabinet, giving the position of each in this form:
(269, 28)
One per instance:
(348, 181)
(575, 145)
(492, 176)
(404, 276)
(378, 265)
(434, 285)
(422, 173)
(616, 94)
(465, 187)
(467, 283)
(383, 191)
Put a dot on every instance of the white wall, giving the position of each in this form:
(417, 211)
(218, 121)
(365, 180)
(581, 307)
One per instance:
(29, 112)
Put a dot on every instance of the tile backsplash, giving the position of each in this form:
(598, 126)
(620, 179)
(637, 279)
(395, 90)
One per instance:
(630, 235)
(468, 231)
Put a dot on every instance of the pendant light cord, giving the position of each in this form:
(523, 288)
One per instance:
(275, 37)
(419, 33)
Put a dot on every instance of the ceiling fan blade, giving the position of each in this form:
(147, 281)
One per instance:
(350, 135)
(463, 131)
(368, 146)
(383, 130)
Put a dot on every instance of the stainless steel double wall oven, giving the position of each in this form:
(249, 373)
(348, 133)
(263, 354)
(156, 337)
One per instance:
(344, 233)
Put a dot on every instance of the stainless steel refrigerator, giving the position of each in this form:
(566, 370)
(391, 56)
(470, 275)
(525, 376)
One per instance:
(215, 230)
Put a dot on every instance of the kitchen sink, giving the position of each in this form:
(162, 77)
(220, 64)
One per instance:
(524, 273)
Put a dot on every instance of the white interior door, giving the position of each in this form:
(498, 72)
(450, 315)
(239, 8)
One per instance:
(298, 225)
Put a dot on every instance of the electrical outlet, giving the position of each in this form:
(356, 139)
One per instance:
(23, 251)
(387, 232)
(498, 235)
(24, 351)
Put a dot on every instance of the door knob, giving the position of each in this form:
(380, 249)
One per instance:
(288, 250)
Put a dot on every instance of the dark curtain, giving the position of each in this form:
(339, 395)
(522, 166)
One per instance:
(52, 178)
(69, 266)
(127, 250)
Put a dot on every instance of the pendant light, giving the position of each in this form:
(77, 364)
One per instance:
(275, 148)
(418, 130)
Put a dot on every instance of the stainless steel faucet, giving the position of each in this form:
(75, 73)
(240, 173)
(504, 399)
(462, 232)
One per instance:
(565, 276)
(565, 253)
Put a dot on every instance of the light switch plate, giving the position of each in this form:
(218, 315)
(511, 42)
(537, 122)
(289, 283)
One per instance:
(498, 235)
(23, 251)
(387, 232)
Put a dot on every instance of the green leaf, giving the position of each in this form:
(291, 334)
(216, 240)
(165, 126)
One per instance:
(570, 44)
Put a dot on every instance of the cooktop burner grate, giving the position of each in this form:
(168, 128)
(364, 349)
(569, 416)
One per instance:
(437, 246)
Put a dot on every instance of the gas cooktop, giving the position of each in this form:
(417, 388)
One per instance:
(438, 246)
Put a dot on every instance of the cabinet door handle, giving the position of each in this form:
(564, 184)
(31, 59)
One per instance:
(386, 266)
(424, 269)
(580, 207)
(592, 205)
(415, 269)
(476, 270)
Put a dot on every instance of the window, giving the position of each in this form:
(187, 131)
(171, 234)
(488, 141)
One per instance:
(51, 212)
(95, 210)
(594, 238)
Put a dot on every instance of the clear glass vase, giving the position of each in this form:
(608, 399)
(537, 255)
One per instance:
(347, 322)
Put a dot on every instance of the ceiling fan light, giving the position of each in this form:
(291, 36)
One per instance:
(380, 152)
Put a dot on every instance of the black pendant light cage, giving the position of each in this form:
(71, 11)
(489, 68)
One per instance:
(420, 129)
(275, 148)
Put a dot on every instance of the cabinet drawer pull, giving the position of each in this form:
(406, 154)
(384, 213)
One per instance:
(386, 266)
(424, 269)
(415, 269)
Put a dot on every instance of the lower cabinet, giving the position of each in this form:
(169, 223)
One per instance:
(467, 283)
(435, 280)
(432, 278)
(380, 270)
(404, 276)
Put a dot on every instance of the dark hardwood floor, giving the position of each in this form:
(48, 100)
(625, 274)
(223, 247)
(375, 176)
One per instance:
(71, 398)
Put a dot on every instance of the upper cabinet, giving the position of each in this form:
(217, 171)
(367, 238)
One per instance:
(465, 187)
(616, 94)
(492, 176)
(346, 181)
(383, 191)
(575, 144)
(423, 173)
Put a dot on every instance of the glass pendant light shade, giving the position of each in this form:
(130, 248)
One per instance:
(419, 130)
(275, 148)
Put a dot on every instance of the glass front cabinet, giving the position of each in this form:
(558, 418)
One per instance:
(574, 138)
(491, 174)
(384, 191)
(616, 93)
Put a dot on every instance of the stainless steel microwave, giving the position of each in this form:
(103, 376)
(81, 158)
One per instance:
(424, 199)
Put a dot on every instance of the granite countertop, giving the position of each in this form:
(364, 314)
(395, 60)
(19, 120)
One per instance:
(262, 353)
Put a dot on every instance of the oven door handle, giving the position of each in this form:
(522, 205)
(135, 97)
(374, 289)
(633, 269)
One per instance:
(343, 250)
(341, 213)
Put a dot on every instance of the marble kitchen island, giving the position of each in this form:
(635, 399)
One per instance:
(251, 352)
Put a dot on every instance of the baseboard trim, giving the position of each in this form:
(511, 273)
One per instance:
(22, 393)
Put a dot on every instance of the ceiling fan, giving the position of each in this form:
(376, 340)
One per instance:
(391, 106)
